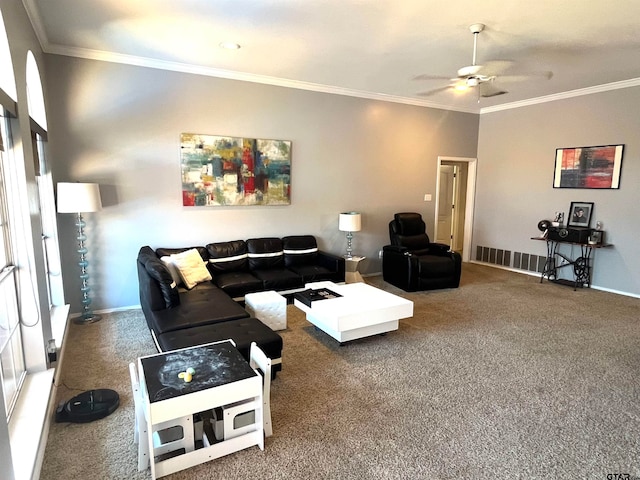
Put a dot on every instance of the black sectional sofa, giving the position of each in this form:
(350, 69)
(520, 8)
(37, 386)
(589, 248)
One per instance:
(210, 311)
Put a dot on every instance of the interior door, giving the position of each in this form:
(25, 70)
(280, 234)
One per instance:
(445, 202)
(460, 194)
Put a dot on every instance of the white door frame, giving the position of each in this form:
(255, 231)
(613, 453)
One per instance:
(470, 197)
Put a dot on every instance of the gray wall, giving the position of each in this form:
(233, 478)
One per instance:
(120, 126)
(516, 154)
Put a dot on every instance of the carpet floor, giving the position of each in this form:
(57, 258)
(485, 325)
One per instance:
(501, 378)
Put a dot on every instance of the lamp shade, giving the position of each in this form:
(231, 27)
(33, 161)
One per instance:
(78, 197)
(350, 222)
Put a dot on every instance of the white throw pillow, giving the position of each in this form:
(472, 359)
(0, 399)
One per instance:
(192, 268)
(173, 270)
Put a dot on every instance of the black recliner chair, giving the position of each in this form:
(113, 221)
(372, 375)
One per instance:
(412, 262)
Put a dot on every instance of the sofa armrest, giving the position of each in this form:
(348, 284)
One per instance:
(399, 267)
(156, 286)
(332, 262)
(439, 247)
(396, 249)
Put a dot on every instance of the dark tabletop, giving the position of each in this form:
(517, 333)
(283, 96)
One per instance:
(214, 364)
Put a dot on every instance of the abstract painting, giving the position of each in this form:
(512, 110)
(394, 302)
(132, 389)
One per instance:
(227, 171)
(588, 167)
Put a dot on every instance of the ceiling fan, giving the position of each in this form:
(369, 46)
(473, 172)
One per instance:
(482, 77)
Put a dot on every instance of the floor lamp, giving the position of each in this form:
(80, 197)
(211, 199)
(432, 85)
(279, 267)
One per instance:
(349, 222)
(81, 198)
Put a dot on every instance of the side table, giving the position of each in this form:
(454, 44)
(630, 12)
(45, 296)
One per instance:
(351, 274)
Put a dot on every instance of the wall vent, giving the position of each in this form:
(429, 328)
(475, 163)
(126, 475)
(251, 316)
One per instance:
(521, 260)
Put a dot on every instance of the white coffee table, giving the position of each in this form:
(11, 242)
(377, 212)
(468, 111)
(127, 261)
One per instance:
(362, 311)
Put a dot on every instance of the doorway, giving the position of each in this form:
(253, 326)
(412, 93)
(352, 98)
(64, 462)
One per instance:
(455, 193)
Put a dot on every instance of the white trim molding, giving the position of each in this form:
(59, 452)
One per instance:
(634, 82)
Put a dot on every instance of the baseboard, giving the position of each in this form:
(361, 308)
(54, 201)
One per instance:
(508, 269)
(108, 310)
(537, 274)
(373, 274)
(617, 292)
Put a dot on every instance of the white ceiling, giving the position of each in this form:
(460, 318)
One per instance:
(365, 48)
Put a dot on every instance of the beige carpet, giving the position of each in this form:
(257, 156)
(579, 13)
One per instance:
(502, 378)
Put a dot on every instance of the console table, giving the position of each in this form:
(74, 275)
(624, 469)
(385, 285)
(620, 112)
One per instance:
(582, 264)
(223, 378)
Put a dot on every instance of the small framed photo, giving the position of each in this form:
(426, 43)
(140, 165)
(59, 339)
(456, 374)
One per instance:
(580, 214)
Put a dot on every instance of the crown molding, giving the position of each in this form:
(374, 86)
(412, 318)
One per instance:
(36, 21)
(634, 82)
(245, 77)
(316, 87)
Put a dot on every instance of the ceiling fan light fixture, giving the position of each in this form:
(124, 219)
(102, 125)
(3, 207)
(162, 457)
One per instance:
(469, 70)
(481, 76)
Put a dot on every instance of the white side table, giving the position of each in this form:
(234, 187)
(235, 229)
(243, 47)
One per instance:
(351, 269)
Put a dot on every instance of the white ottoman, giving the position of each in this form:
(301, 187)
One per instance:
(268, 307)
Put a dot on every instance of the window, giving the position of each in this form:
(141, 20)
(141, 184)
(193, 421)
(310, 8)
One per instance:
(48, 223)
(25, 315)
(12, 362)
(38, 123)
(11, 352)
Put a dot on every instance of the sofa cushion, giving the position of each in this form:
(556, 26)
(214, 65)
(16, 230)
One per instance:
(173, 270)
(434, 266)
(242, 332)
(238, 284)
(191, 267)
(414, 242)
(299, 250)
(228, 256)
(197, 307)
(278, 279)
(265, 253)
(409, 230)
(163, 251)
(409, 224)
(158, 271)
(314, 273)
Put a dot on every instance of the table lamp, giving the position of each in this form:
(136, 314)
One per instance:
(81, 198)
(350, 222)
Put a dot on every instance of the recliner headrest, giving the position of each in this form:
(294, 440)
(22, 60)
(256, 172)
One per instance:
(409, 223)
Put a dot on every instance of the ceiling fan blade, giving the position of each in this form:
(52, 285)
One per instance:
(434, 91)
(492, 68)
(521, 77)
(489, 89)
(430, 77)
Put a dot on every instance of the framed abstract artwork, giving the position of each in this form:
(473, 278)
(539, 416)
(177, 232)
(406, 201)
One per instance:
(588, 167)
(228, 171)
